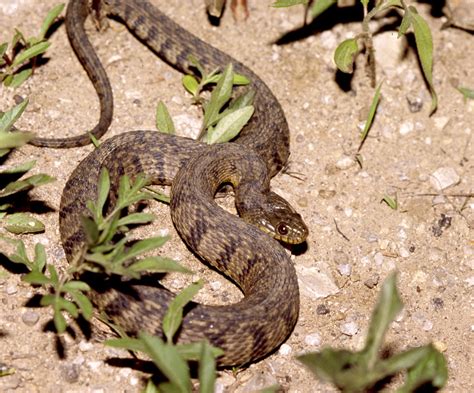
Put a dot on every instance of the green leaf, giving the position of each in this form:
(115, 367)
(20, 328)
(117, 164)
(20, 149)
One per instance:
(136, 218)
(91, 230)
(387, 308)
(170, 363)
(390, 201)
(85, 305)
(345, 54)
(424, 45)
(192, 351)
(65, 304)
(59, 321)
(243, 100)
(174, 315)
(466, 92)
(151, 387)
(3, 48)
(40, 257)
(53, 275)
(102, 193)
(20, 77)
(31, 52)
(22, 168)
(128, 343)
(36, 278)
(320, 6)
(10, 117)
(191, 84)
(370, 117)
(229, 126)
(158, 265)
(143, 246)
(13, 139)
(75, 286)
(22, 223)
(50, 18)
(164, 122)
(405, 25)
(219, 96)
(431, 368)
(207, 369)
(26, 184)
(288, 3)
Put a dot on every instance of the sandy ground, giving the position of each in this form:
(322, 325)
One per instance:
(355, 240)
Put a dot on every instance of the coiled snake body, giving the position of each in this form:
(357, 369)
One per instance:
(258, 264)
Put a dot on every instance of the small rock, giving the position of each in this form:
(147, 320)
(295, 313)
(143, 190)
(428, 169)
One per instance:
(372, 282)
(344, 269)
(322, 309)
(326, 194)
(313, 339)
(315, 284)
(415, 103)
(345, 162)
(443, 178)
(403, 252)
(30, 318)
(440, 122)
(406, 127)
(258, 382)
(349, 328)
(216, 285)
(94, 365)
(85, 346)
(11, 289)
(285, 349)
(378, 258)
(70, 373)
(427, 325)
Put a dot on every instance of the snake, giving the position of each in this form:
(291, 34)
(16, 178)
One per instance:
(238, 247)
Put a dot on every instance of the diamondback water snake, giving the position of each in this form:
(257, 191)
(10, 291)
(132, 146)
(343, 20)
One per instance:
(251, 328)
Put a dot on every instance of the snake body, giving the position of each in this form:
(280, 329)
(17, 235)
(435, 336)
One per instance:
(258, 264)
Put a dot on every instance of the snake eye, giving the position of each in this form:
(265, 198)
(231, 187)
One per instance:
(282, 229)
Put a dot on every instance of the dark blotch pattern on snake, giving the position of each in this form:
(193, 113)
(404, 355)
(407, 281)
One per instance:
(258, 264)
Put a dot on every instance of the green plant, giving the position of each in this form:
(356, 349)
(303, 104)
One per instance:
(348, 49)
(172, 359)
(12, 182)
(19, 64)
(101, 254)
(359, 371)
(223, 118)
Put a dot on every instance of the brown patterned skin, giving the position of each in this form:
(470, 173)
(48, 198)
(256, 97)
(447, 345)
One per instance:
(259, 265)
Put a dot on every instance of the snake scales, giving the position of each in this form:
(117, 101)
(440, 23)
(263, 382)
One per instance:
(258, 264)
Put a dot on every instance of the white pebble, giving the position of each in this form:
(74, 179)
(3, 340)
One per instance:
(11, 289)
(348, 211)
(85, 346)
(443, 178)
(344, 269)
(345, 162)
(285, 350)
(427, 325)
(215, 285)
(404, 253)
(134, 380)
(406, 128)
(440, 122)
(313, 339)
(349, 328)
(378, 258)
(94, 365)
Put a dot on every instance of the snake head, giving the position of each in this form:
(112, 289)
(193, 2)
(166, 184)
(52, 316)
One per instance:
(280, 220)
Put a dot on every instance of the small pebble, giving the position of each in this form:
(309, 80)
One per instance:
(372, 282)
(344, 269)
(94, 365)
(313, 339)
(404, 253)
(85, 346)
(345, 162)
(216, 285)
(322, 309)
(440, 122)
(349, 328)
(285, 349)
(378, 258)
(443, 178)
(406, 128)
(30, 318)
(415, 103)
(70, 373)
(11, 289)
